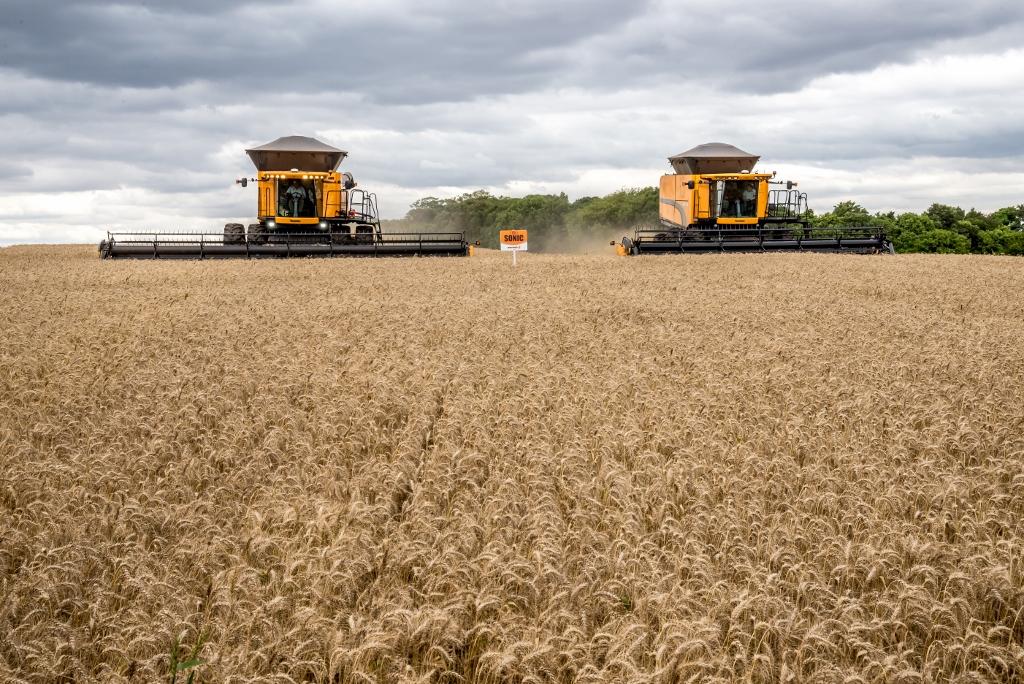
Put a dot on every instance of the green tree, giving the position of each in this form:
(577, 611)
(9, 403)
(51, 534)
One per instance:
(970, 230)
(480, 216)
(1010, 217)
(906, 227)
(542, 215)
(845, 214)
(945, 216)
(983, 221)
(887, 221)
(937, 240)
(622, 209)
(1002, 240)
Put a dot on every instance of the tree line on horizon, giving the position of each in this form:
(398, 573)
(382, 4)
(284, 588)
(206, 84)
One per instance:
(554, 222)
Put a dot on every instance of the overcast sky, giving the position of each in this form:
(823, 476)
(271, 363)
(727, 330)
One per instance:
(136, 114)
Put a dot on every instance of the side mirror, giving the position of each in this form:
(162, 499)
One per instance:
(244, 182)
(612, 243)
(789, 185)
(691, 185)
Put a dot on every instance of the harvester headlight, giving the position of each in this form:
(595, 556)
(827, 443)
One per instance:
(271, 224)
(323, 225)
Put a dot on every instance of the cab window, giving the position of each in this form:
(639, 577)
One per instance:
(297, 197)
(737, 199)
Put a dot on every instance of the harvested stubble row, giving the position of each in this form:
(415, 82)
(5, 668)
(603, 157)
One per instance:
(712, 468)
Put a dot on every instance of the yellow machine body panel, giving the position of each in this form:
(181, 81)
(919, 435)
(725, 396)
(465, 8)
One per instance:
(727, 199)
(322, 196)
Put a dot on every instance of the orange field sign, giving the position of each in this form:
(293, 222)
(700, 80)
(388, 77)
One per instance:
(512, 240)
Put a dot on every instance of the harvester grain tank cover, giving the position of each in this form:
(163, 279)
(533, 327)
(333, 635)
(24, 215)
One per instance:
(296, 152)
(713, 158)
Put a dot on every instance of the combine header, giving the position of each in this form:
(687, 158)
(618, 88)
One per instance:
(305, 208)
(715, 203)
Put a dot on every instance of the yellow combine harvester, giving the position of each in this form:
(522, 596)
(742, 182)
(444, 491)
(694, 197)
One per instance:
(715, 202)
(305, 207)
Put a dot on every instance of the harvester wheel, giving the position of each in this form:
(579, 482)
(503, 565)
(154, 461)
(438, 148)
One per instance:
(234, 233)
(339, 234)
(364, 234)
(257, 233)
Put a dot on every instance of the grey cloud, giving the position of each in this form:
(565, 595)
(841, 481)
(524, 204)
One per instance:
(402, 52)
(449, 52)
(779, 48)
(12, 170)
(858, 36)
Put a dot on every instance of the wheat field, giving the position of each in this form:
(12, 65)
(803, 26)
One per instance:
(740, 468)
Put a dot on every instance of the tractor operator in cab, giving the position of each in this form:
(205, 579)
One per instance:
(296, 195)
(749, 199)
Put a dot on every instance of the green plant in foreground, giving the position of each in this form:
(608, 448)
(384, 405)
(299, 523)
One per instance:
(192, 661)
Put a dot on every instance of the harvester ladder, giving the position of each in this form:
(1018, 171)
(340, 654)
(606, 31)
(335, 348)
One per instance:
(364, 205)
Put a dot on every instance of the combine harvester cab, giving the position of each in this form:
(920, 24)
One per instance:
(305, 208)
(714, 202)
